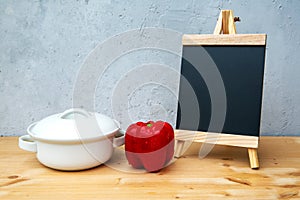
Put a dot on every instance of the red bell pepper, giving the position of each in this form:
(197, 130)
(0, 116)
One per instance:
(149, 145)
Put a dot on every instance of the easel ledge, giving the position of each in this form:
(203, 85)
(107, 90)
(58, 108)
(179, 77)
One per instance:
(217, 138)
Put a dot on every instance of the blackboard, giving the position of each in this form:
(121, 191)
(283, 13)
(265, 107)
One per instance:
(241, 67)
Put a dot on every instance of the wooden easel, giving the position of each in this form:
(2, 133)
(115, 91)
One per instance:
(225, 25)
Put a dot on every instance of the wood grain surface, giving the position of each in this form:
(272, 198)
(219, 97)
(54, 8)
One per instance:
(223, 39)
(223, 174)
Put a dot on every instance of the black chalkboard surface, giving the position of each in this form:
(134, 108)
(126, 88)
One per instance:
(241, 68)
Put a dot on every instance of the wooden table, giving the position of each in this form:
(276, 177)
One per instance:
(223, 174)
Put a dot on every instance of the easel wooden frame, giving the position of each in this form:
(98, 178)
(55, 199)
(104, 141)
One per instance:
(224, 34)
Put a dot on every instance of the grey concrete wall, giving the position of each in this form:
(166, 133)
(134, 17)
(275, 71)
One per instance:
(44, 43)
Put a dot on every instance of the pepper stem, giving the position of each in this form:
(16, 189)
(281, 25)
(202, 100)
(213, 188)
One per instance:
(149, 125)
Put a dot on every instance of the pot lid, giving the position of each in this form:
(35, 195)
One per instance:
(73, 125)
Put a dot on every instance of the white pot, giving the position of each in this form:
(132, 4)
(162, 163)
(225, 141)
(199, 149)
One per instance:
(73, 140)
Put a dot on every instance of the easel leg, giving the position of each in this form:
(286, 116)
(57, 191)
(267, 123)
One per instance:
(179, 148)
(253, 158)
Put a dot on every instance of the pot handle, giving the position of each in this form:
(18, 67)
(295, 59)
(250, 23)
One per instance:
(27, 143)
(119, 141)
(75, 110)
